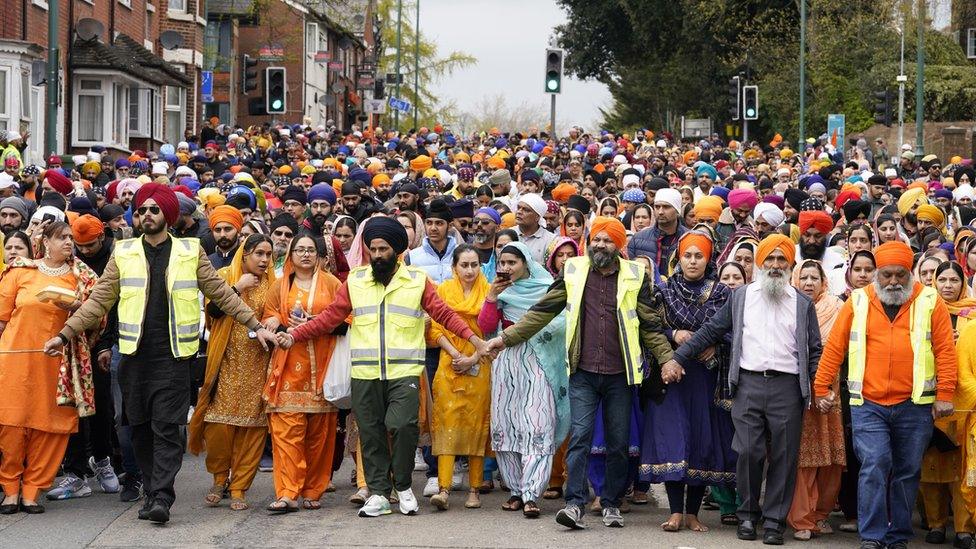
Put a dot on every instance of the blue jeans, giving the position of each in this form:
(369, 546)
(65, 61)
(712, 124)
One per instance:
(586, 392)
(889, 441)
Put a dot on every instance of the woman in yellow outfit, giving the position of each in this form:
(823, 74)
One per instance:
(461, 411)
(943, 462)
(229, 417)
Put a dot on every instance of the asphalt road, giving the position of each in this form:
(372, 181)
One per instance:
(103, 521)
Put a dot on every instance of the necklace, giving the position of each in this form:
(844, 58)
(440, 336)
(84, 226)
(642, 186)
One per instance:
(53, 271)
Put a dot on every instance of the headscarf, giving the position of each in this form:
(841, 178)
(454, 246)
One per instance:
(742, 235)
(220, 330)
(467, 307)
(549, 344)
(826, 305)
(850, 266)
(964, 305)
(418, 227)
(549, 255)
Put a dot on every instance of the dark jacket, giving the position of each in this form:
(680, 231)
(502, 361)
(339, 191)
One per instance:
(644, 242)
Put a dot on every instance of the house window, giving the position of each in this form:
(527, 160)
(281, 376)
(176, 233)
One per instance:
(120, 122)
(216, 46)
(175, 114)
(177, 5)
(971, 43)
(4, 98)
(311, 38)
(91, 111)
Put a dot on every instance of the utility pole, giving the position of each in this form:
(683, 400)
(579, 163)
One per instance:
(803, 74)
(552, 115)
(396, 112)
(416, 69)
(920, 83)
(53, 83)
(901, 83)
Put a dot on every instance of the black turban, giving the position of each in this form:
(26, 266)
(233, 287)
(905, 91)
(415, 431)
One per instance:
(438, 209)
(351, 188)
(795, 197)
(284, 220)
(296, 193)
(388, 229)
(579, 203)
(854, 208)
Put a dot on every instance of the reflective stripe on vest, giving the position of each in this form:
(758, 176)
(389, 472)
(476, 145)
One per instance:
(386, 339)
(630, 277)
(182, 295)
(920, 333)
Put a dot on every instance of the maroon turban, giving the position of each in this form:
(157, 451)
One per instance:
(58, 181)
(165, 198)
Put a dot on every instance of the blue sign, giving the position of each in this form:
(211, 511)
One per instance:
(399, 104)
(206, 86)
(835, 130)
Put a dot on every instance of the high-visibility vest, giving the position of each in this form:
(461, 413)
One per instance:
(182, 293)
(629, 280)
(386, 340)
(920, 333)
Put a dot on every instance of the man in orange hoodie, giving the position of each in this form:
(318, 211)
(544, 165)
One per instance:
(896, 337)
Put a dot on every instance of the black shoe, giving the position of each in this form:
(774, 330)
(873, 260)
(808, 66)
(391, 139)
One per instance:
(35, 509)
(772, 537)
(898, 545)
(936, 536)
(9, 508)
(159, 512)
(871, 544)
(963, 541)
(746, 530)
(131, 489)
(144, 511)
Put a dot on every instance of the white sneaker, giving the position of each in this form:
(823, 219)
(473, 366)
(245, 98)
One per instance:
(375, 506)
(105, 474)
(418, 461)
(70, 487)
(408, 502)
(432, 487)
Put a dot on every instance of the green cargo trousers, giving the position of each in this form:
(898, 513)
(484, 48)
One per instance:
(382, 408)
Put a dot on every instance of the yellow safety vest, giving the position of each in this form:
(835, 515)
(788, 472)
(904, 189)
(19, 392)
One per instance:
(920, 333)
(629, 280)
(183, 295)
(386, 340)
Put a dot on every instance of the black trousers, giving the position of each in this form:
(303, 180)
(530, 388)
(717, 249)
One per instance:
(159, 450)
(95, 433)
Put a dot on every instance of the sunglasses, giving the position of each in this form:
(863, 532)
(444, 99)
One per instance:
(283, 234)
(481, 222)
(151, 209)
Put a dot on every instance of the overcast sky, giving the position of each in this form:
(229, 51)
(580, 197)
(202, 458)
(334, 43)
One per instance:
(509, 39)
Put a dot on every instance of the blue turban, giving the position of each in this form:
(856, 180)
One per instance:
(707, 169)
(721, 192)
(322, 191)
(241, 189)
(490, 212)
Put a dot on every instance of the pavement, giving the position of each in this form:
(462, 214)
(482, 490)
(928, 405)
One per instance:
(103, 521)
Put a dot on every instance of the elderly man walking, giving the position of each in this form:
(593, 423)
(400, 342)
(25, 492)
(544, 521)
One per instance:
(775, 350)
(896, 336)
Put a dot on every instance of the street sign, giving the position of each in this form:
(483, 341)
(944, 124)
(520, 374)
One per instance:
(392, 78)
(400, 104)
(335, 65)
(696, 127)
(835, 130)
(271, 52)
(322, 56)
(206, 86)
(375, 106)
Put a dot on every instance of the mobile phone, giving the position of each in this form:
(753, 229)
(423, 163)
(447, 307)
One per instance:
(48, 217)
(503, 276)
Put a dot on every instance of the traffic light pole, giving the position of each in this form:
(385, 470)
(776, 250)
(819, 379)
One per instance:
(920, 83)
(745, 131)
(552, 115)
(396, 112)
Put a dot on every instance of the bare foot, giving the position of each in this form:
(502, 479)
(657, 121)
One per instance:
(693, 524)
(673, 524)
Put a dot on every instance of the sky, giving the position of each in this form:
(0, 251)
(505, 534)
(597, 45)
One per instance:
(509, 39)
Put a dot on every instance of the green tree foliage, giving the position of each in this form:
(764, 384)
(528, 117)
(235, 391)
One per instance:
(662, 60)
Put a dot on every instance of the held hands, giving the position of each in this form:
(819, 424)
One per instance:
(53, 346)
(682, 336)
(266, 338)
(942, 408)
(671, 372)
(285, 340)
(826, 403)
(104, 360)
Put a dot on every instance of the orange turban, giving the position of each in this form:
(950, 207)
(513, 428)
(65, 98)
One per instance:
(614, 229)
(421, 163)
(599, 168)
(772, 242)
(817, 219)
(86, 229)
(508, 220)
(546, 151)
(380, 178)
(563, 191)
(227, 214)
(919, 185)
(709, 206)
(496, 163)
(894, 252)
(284, 170)
(695, 239)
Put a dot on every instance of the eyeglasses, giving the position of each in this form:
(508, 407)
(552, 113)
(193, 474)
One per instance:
(151, 209)
(463, 223)
(482, 222)
(304, 251)
(283, 234)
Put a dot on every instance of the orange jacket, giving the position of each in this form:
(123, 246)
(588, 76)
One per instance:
(888, 368)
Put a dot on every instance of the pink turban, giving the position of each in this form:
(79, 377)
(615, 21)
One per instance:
(739, 198)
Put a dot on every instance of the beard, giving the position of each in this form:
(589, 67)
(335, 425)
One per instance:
(152, 228)
(383, 269)
(813, 251)
(772, 286)
(225, 243)
(601, 259)
(280, 249)
(893, 294)
(319, 220)
(8, 228)
(480, 238)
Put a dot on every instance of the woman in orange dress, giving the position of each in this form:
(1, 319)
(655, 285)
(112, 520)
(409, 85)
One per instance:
(303, 423)
(43, 396)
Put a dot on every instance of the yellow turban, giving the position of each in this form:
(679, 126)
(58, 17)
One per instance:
(932, 214)
(421, 163)
(709, 206)
(910, 198)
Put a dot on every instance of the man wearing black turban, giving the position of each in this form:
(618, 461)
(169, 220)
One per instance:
(387, 344)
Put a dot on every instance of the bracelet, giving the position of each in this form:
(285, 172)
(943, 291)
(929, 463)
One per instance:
(236, 291)
(64, 340)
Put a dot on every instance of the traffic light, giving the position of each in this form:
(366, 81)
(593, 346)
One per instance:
(275, 90)
(249, 75)
(735, 97)
(554, 70)
(750, 102)
(379, 89)
(882, 109)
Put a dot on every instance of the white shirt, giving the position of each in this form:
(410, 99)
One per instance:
(769, 332)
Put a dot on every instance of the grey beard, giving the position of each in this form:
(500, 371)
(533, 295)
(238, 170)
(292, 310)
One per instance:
(773, 287)
(892, 295)
(480, 238)
(600, 258)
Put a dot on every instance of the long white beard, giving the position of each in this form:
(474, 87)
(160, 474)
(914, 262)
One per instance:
(773, 287)
(893, 295)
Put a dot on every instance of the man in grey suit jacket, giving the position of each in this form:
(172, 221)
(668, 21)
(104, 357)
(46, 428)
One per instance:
(775, 350)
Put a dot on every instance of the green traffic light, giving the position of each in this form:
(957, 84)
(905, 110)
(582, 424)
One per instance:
(276, 104)
(552, 84)
(750, 112)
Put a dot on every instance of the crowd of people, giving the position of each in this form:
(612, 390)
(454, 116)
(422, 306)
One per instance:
(768, 332)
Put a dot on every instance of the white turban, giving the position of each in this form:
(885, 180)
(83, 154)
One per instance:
(669, 196)
(537, 204)
(964, 191)
(770, 213)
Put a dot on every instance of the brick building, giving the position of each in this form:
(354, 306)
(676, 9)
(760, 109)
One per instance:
(118, 86)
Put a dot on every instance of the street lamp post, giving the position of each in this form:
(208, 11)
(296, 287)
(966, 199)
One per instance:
(920, 83)
(803, 73)
(901, 87)
(396, 112)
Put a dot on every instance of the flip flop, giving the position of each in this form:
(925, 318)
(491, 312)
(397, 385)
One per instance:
(514, 503)
(281, 507)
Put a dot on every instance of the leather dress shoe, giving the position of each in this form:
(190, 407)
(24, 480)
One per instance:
(772, 536)
(746, 530)
(144, 510)
(159, 512)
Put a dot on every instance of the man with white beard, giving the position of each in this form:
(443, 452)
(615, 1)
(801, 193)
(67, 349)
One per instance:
(775, 350)
(897, 339)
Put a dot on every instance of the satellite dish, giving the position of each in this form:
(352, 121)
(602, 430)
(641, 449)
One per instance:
(327, 100)
(171, 40)
(344, 43)
(358, 19)
(337, 87)
(89, 29)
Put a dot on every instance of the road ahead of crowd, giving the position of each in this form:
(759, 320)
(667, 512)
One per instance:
(102, 521)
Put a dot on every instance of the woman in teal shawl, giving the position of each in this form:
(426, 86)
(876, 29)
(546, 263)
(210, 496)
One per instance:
(529, 381)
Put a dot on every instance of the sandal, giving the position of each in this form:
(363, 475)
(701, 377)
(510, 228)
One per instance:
(239, 504)
(730, 519)
(553, 493)
(474, 500)
(639, 498)
(311, 504)
(531, 510)
(281, 506)
(514, 503)
(487, 487)
(213, 497)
